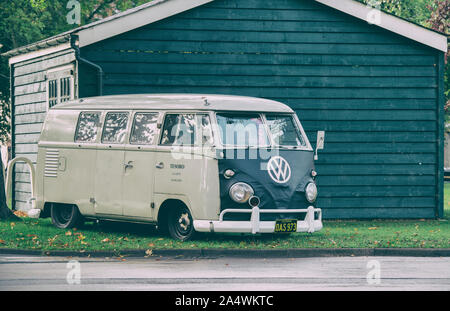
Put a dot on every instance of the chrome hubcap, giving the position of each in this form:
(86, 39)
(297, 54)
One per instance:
(184, 221)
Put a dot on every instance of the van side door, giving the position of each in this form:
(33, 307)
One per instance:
(110, 164)
(139, 165)
(185, 167)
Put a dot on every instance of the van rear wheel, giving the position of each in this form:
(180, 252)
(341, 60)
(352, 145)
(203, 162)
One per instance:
(65, 216)
(180, 224)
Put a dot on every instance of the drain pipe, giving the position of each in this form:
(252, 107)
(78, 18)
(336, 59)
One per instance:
(75, 46)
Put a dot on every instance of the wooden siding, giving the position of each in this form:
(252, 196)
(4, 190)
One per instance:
(30, 89)
(373, 92)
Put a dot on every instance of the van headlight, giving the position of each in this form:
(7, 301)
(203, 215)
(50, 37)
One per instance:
(240, 192)
(311, 192)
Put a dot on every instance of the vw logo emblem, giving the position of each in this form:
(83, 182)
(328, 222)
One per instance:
(279, 170)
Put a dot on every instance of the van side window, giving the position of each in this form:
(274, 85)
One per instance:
(144, 128)
(179, 129)
(187, 130)
(87, 129)
(115, 128)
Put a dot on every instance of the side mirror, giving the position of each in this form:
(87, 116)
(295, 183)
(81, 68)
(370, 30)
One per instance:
(320, 143)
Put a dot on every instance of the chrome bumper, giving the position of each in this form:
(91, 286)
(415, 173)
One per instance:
(255, 225)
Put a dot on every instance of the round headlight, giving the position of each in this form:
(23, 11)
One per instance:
(241, 192)
(311, 192)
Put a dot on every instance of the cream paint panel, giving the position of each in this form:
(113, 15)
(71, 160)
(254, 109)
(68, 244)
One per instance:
(194, 177)
(138, 182)
(40, 178)
(109, 180)
(74, 183)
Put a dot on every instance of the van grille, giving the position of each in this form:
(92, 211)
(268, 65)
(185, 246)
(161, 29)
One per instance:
(51, 163)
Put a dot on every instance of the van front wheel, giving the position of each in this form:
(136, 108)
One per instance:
(180, 224)
(65, 216)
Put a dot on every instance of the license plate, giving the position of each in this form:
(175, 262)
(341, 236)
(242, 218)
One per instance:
(286, 225)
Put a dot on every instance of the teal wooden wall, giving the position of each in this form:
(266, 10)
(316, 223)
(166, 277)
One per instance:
(373, 92)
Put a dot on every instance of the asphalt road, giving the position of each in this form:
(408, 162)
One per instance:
(290, 274)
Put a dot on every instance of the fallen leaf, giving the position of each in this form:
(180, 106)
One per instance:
(151, 245)
(105, 240)
(69, 233)
(20, 214)
(373, 228)
(2, 242)
(81, 237)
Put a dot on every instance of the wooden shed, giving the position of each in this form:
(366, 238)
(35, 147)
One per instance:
(376, 89)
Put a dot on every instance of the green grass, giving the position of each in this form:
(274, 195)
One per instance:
(42, 235)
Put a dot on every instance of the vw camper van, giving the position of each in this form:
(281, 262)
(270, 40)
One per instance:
(187, 163)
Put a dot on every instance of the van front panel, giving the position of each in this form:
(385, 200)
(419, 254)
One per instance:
(278, 178)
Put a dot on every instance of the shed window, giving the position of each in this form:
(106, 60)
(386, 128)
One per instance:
(144, 128)
(187, 130)
(115, 128)
(52, 93)
(60, 87)
(87, 129)
(65, 89)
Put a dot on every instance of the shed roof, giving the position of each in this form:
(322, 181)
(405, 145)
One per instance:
(205, 102)
(160, 9)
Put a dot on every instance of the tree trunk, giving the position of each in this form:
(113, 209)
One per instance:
(5, 212)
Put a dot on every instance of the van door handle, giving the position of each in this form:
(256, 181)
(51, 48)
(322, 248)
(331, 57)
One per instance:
(128, 165)
(160, 165)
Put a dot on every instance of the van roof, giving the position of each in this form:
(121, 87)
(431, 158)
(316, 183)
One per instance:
(176, 102)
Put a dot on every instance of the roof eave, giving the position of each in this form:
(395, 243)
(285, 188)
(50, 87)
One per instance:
(390, 22)
(159, 10)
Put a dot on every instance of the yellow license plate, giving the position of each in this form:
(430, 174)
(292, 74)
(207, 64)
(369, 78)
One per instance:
(286, 225)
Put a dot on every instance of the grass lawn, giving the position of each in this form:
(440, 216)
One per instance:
(42, 235)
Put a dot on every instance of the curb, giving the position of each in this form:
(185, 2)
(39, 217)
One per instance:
(244, 253)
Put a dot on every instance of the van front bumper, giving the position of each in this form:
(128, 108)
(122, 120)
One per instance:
(255, 225)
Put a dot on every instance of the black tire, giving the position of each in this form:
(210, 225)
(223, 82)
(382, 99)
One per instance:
(180, 224)
(66, 216)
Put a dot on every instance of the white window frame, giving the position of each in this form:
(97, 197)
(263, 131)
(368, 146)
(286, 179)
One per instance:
(58, 74)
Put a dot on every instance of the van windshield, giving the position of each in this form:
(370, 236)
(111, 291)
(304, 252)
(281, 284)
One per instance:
(248, 130)
(284, 131)
(242, 130)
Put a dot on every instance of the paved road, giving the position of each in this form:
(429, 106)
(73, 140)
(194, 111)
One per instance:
(338, 273)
